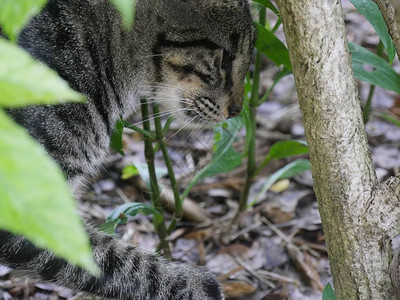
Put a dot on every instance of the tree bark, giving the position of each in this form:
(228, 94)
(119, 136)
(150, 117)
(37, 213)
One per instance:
(359, 216)
(390, 10)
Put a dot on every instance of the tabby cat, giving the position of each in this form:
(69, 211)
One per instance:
(190, 55)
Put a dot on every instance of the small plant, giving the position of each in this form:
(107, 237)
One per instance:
(225, 158)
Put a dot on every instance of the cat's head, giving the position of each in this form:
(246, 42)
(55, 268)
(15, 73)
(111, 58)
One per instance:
(200, 51)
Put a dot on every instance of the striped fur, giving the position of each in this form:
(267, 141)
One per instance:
(189, 55)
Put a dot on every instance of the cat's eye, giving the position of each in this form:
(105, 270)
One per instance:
(227, 59)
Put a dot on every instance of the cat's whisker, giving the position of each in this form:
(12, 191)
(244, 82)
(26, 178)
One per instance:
(182, 127)
(163, 114)
(154, 100)
(194, 129)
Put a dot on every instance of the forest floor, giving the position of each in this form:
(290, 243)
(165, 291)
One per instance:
(277, 250)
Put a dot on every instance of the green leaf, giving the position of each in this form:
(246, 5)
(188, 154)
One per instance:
(129, 172)
(288, 171)
(328, 293)
(116, 137)
(272, 47)
(383, 74)
(389, 118)
(35, 200)
(268, 4)
(288, 148)
(121, 213)
(15, 14)
(284, 149)
(25, 81)
(371, 12)
(127, 11)
(225, 158)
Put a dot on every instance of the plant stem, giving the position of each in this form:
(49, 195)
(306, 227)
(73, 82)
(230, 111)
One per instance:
(161, 141)
(251, 129)
(155, 190)
(368, 104)
(146, 133)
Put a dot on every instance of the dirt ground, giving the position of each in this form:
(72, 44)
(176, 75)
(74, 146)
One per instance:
(277, 250)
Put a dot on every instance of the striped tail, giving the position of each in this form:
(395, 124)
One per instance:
(127, 272)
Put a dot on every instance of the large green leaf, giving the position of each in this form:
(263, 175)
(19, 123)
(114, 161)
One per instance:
(288, 171)
(371, 12)
(382, 75)
(15, 14)
(268, 3)
(272, 47)
(35, 200)
(127, 10)
(328, 293)
(25, 81)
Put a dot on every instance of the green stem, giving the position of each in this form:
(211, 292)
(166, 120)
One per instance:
(251, 129)
(161, 142)
(368, 104)
(142, 131)
(167, 125)
(155, 190)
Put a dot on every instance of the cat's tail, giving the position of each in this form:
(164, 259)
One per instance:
(127, 272)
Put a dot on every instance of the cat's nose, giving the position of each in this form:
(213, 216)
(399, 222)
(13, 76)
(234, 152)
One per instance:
(234, 110)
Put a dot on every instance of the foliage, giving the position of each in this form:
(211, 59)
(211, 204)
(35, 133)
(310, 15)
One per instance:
(382, 74)
(127, 10)
(371, 12)
(14, 15)
(272, 47)
(328, 293)
(19, 82)
(34, 198)
(120, 215)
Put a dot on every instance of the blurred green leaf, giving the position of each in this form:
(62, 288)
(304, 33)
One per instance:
(116, 137)
(129, 172)
(24, 81)
(288, 171)
(268, 4)
(35, 200)
(328, 293)
(127, 10)
(371, 12)
(389, 118)
(272, 47)
(382, 75)
(15, 14)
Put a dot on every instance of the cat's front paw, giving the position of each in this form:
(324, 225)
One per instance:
(193, 283)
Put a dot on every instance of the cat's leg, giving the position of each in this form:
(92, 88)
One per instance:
(127, 272)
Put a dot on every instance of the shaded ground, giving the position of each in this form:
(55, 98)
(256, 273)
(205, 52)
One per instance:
(277, 251)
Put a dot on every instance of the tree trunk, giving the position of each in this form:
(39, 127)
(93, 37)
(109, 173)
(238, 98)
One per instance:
(359, 217)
